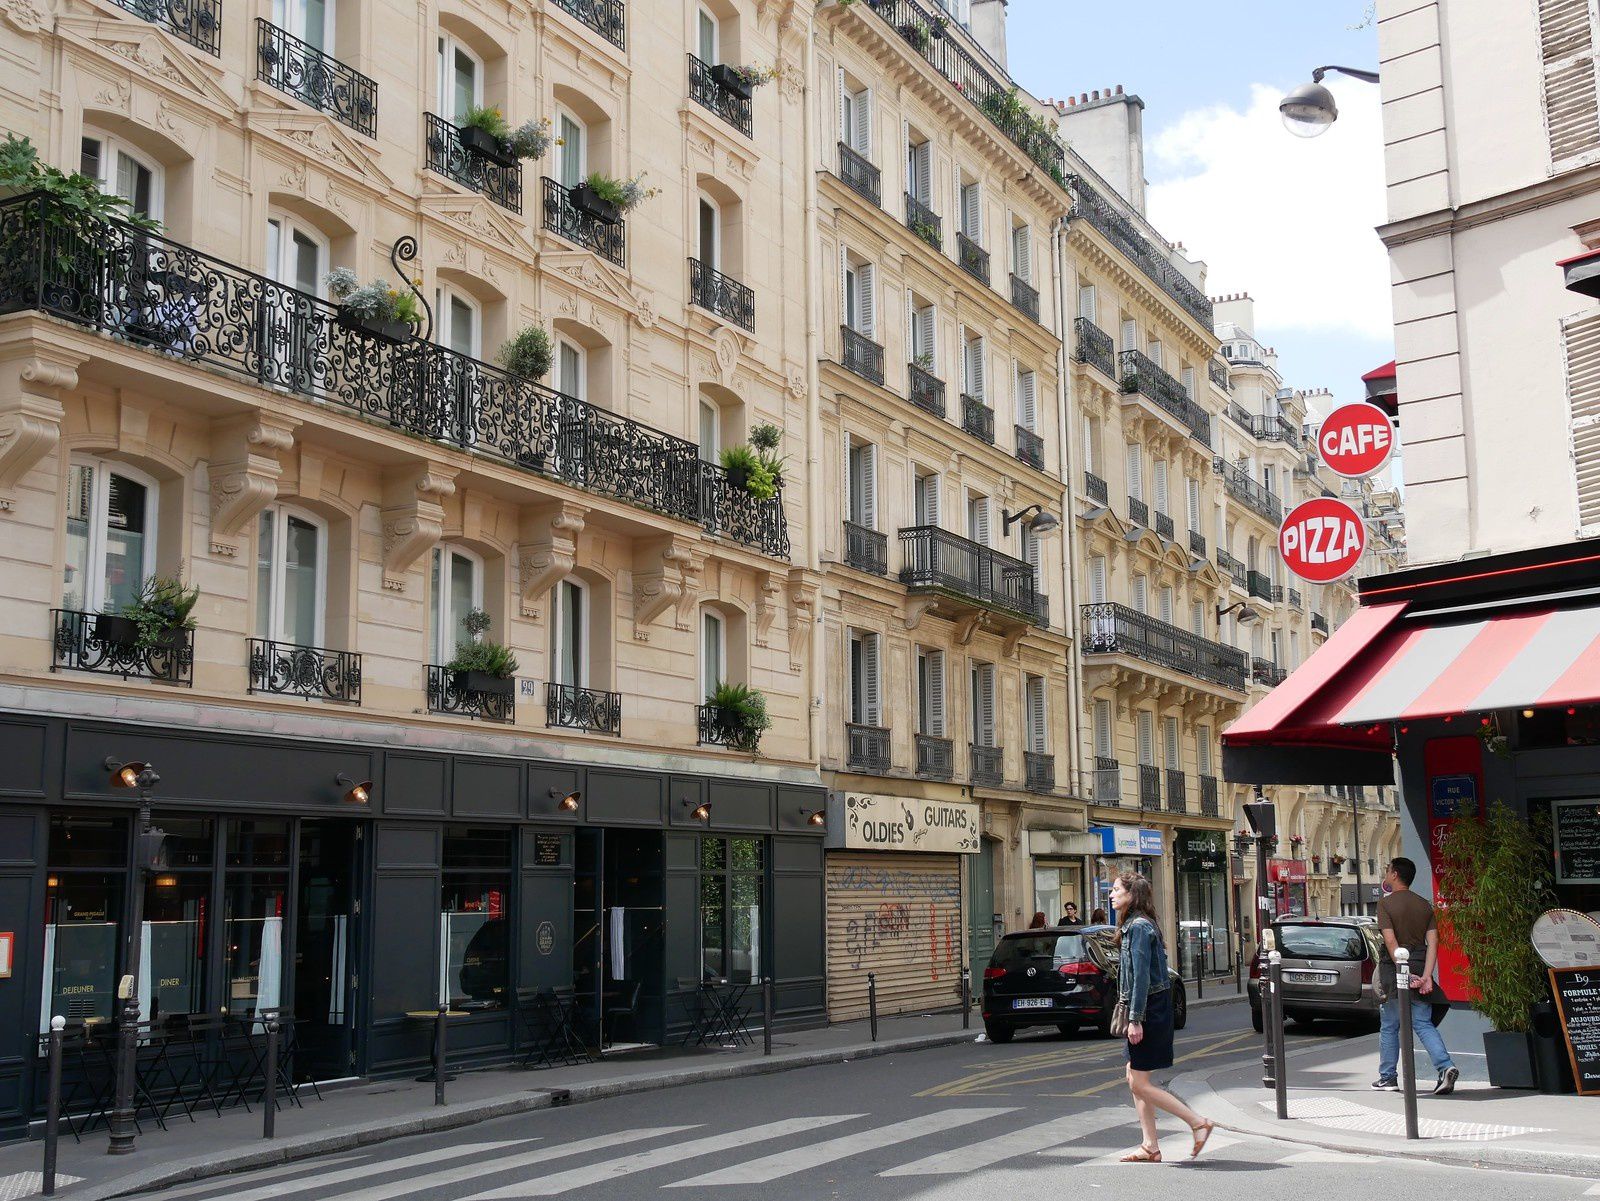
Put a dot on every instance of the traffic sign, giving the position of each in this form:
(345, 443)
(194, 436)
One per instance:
(1356, 440)
(1322, 540)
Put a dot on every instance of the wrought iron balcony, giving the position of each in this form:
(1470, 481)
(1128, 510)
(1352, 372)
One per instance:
(563, 217)
(1177, 791)
(312, 672)
(720, 294)
(974, 259)
(1295, 599)
(720, 89)
(1030, 447)
(198, 22)
(1025, 296)
(110, 645)
(471, 694)
(300, 70)
(1319, 623)
(1095, 347)
(866, 550)
(1165, 528)
(1219, 375)
(1247, 492)
(1121, 232)
(1143, 378)
(1208, 797)
(1277, 594)
(1039, 771)
(988, 765)
(1096, 488)
(1259, 585)
(924, 222)
(938, 561)
(1107, 783)
(977, 418)
(448, 155)
(1149, 786)
(1138, 512)
(1112, 629)
(926, 391)
(1275, 429)
(1231, 567)
(859, 175)
(868, 748)
(1197, 543)
(1266, 672)
(720, 727)
(936, 757)
(152, 292)
(1241, 417)
(590, 709)
(605, 17)
(861, 354)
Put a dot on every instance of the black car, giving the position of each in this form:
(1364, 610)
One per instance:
(1061, 976)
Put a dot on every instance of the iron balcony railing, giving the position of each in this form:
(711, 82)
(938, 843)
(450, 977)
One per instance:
(1277, 594)
(938, 560)
(1030, 447)
(565, 219)
(1095, 347)
(1039, 771)
(1138, 512)
(1219, 375)
(867, 748)
(721, 294)
(988, 764)
(1121, 232)
(1107, 789)
(1259, 585)
(198, 22)
(861, 354)
(312, 672)
(924, 222)
(1197, 543)
(1232, 567)
(467, 694)
(569, 707)
(152, 292)
(936, 757)
(974, 259)
(1265, 671)
(866, 550)
(110, 645)
(1275, 429)
(1177, 791)
(1149, 786)
(1141, 376)
(299, 69)
(1319, 623)
(1026, 297)
(1247, 492)
(716, 88)
(1208, 797)
(859, 175)
(1096, 488)
(1295, 599)
(605, 17)
(448, 155)
(1241, 417)
(717, 726)
(926, 391)
(1165, 528)
(1113, 629)
(977, 418)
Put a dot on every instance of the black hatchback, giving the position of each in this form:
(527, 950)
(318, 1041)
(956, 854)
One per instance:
(1061, 976)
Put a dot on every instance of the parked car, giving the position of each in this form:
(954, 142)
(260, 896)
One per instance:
(1330, 970)
(1061, 976)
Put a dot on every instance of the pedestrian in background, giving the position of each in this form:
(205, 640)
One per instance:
(1143, 984)
(1097, 918)
(1407, 920)
(1039, 922)
(1069, 914)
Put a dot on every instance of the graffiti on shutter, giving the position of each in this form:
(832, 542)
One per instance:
(899, 917)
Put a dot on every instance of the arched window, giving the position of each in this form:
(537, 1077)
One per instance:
(120, 169)
(460, 78)
(455, 588)
(569, 634)
(291, 576)
(111, 535)
(309, 20)
(297, 253)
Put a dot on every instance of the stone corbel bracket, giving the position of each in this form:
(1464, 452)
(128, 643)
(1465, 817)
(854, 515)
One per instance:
(768, 603)
(659, 571)
(547, 547)
(413, 517)
(244, 474)
(918, 607)
(804, 591)
(31, 383)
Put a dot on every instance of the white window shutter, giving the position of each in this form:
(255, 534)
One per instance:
(1197, 618)
(1581, 344)
(985, 714)
(844, 287)
(1202, 747)
(1088, 445)
(1038, 729)
(1141, 593)
(980, 521)
(1027, 400)
(936, 693)
(863, 115)
(1130, 334)
(1173, 751)
(924, 332)
(844, 110)
(972, 213)
(869, 654)
(869, 486)
(980, 387)
(867, 285)
(1158, 480)
(1188, 382)
(935, 490)
(1135, 472)
(1086, 303)
(1567, 51)
(1102, 729)
(1147, 737)
(1192, 485)
(1031, 546)
(1022, 252)
(1167, 600)
(1097, 580)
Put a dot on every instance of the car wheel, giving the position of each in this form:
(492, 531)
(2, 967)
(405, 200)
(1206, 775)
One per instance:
(1256, 1020)
(999, 1034)
(1180, 1008)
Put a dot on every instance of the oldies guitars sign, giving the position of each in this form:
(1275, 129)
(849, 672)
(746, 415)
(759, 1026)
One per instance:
(896, 823)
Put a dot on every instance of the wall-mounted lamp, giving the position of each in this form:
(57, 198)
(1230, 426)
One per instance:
(701, 812)
(1034, 517)
(132, 774)
(569, 801)
(356, 793)
(1247, 615)
(814, 817)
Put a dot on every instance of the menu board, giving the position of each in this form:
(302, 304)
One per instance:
(1577, 993)
(547, 850)
(1567, 938)
(1577, 836)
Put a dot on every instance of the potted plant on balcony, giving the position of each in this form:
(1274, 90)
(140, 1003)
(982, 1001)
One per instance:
(746, 470)
(916, 33)
(373, 308)
(607, 199)
(528, 354)
(741, 712)
(482, 665)
(764, 439)
(156, 618)
(939, 24)
(485, 132)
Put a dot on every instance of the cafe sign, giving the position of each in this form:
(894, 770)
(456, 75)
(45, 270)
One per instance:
(873, 822)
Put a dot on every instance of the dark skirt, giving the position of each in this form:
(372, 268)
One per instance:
(1154, 1051)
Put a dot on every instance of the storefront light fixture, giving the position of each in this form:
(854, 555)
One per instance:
(1527, 713)
(817, 817)
(700, 812)
(356, 792)
(132, 774)
(1035, 517)
(166, 881)
(1309, 109)
(569, 801)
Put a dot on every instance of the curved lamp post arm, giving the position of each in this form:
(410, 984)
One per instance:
(1353, 72)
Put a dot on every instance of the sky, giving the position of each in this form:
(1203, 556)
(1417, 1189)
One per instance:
(1286, 219)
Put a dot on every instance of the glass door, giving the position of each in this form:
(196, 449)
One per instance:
(325, 949)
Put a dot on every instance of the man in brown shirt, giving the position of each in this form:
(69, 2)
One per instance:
(1407, 920)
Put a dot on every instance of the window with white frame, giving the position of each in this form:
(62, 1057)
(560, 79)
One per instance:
(1036, 716)
(309, 20)
(973, 355)
(111, 535)
(865, 684)
(924, 326)
(1087, 304)
(1141, 593)
(971, 195)
(122, 171)
(569, 634)
(1104, 743)
(297, 254)
(710, 233)
(713, 650)
(1202, 749)
(572, 369)
(572, 150)
(925, 497)
(1091, 444)
(1277, 647)
(978, 518)
(460, 79)
(1130, 335)
(1153, 352)
(1146, 730)
(1169, 599)
(1188, 382)
(1158, 482)
(861, 481)
(1191, 488)
(1173, 747)
(708, 41)
(1197, 618)
(291, 575)
(1294, 648)
(855, 115)
(983, 725)
(455, 589)
(1097, 580)
(1022, 252)
(1027, 392)
(710, 430)
(930, 692)
(1135, 471)
(459, 326)
(858, 294)
(919, 170)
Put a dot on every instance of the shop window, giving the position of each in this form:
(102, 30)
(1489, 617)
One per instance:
(291, 575)
(474, 908)
(177, 900)
(732, 886)
(111, 535)
(256, 885)
(83, 909)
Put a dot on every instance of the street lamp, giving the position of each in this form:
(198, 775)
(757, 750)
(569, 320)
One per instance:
(147, 848)
(1034, 517)
(1247, 615)
(1309, 109)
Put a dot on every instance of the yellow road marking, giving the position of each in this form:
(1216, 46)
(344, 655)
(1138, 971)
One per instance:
(995, 1074)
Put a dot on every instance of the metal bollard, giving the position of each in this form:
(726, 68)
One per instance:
(438, 1055)
(1269, 1023)
(52, 1113)
(1280, 1074)
(872, 1003)
(1408, 1054)
(269, 1101)
(966, 998)
(766, 1016)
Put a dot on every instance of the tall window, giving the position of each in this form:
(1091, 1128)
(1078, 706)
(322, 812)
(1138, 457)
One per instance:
(1172, 756)
(572, 152)
(708, 43)
(1146, 729)
(123, 171)
(84, 891)
(858, 295)
(925, 498)
(460, 79)
(1135, 471)
(710, 233)
(1191, 488)
(930, 692)
(111, 535)
(855, 116)
(572, 369)
(919, 171)
(297, 255)
(1154, 353)
(291, 575)
(459, 326)
(865, 687)
(474, 918)
(1202, 749)
(1097, 580)
(1141, 593)
(1088, 308)
(971, 209)
(923, 324)
(732, 884)
(983, 727)
(309, 20)
(1027, 400)
(861, 480)
(1294, 648)
(1197, 618)
(978, 519)
(710, 430)
(1158, 482)
(713, 651)
(1022, 252)
(569, 635)
(1130, 335)
(455, 588)
(973, 381)
(256, 886)
(1091, 444)
(1104, 744)
(1168, 603)
(1188, 382)
(1037, 718)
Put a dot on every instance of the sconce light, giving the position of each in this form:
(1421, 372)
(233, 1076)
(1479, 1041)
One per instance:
(817, 817)
(1035, 517)
(355, 793)
(569, 801)
(166, 881)
(131, 774)
(701, 812)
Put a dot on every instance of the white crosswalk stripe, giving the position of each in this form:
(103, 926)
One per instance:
(1030, 1140)
(318, 1185)
(288, 1169)
(645, 1161)
(787, 1163)
(1174, 1149)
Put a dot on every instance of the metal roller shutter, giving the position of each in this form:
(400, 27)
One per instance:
(898, 916)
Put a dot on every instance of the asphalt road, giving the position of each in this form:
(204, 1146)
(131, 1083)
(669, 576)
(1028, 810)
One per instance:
(1033, 1119)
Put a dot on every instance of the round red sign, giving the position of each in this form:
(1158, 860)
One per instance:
(1356, 440)
(1322, 540)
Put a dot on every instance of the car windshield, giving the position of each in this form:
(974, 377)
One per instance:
(1015, 952)
(1321, 942)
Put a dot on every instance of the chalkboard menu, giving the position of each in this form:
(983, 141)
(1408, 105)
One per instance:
(1577, 993)
(1577, 830)
(547, 850)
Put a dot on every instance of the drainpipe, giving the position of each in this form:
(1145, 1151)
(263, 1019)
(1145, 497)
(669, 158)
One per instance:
(1069, 618)
(815, 683)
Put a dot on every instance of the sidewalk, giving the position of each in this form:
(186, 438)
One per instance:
(374, 1111)
(1332, 1106)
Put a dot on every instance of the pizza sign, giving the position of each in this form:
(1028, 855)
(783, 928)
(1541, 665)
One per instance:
(1322, 540)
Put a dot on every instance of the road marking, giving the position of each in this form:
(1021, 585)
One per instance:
(1031, 1140)
(1216, 1048)
(345, 1175)
(222, 1182)
(787, 1163)
(628, 1165)
(601, 1142)
(996, 1073)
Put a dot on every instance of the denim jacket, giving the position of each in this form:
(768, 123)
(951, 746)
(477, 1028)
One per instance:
(1141, 967)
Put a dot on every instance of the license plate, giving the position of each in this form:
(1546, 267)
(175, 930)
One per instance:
(1310, 977)
(1031, 1003)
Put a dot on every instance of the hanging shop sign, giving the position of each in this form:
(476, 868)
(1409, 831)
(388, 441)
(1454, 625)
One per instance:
(1322, 540)
(1567, 938)
(897, 823)
(1356, 440)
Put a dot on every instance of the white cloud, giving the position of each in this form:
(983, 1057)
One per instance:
(1289, 220)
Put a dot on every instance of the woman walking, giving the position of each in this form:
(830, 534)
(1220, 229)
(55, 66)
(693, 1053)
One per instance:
(1143, 986)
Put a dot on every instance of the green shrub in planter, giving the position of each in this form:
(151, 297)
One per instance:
(765, 439)
(528, 354)
(163, 609)
(744, 709)
(481, 664)
(746, 470)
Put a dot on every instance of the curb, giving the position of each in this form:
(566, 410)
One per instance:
(452, 1117)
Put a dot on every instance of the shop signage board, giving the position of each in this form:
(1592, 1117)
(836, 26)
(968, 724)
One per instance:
(1453, 768)
(1356, 440)
(896, 823)
(547, 850)
(1129, 840)
(1566, 938)
(1322, 540)
(1577, 994)
(1577, 841)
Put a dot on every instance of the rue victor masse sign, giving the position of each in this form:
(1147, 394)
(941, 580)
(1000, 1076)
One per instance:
(894, 823)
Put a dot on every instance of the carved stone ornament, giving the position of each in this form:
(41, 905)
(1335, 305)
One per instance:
(244, 472)
(767, 605)
(30, 16)
(413, 517)
(546, 552)
(659, 581)
(30, 414)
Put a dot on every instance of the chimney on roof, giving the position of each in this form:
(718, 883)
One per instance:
(988, 25)
(1106, 127)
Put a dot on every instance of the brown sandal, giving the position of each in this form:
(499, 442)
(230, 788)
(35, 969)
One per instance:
(1143, 1155)
(1202, 1135)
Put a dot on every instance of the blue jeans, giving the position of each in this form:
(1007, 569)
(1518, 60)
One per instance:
(1421, 1025)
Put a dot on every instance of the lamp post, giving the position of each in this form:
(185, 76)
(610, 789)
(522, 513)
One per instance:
(147, 842)
(1309, 109)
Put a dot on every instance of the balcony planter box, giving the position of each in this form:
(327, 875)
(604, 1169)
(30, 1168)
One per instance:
(739, 477)
(485, 145)
(123, 631)
(483, 683)
(1510, 1059)
(587, 201)
(384, 331)
(730, 80)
